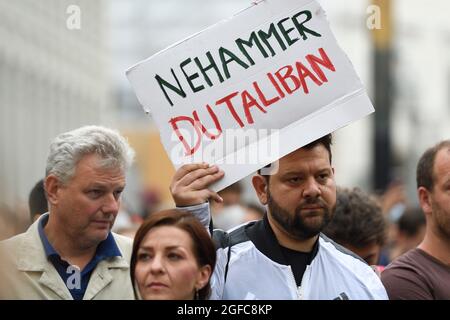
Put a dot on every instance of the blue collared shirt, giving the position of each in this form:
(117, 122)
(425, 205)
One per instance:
(77, 285)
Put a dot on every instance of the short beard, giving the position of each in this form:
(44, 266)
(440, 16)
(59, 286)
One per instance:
(442, 222)
(294, 224)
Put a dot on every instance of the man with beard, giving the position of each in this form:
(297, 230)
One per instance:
(424, 272)
(70, 252)
(282, 256)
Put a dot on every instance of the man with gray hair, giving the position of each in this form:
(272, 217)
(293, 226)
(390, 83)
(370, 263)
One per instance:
(70, 252)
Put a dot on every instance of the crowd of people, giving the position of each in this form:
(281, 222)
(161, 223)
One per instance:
(307, 239)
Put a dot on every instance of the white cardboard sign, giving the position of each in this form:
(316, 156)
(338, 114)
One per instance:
(250, 89)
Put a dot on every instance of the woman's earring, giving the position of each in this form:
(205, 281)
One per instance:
(197, 296)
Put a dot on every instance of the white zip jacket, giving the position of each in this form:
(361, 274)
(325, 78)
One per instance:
(256, 270)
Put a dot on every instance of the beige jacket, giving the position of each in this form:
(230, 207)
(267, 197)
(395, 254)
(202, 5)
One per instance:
(25, 272)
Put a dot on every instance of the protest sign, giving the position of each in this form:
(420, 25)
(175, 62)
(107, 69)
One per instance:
(250, 89)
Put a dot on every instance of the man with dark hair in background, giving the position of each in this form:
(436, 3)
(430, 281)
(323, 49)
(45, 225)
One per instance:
(358, 224)
(424, 272)
(37, 201)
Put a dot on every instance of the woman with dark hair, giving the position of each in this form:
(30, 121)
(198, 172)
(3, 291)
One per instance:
(173, 258)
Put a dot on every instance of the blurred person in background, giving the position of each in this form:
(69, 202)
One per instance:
(13, 221)
(37, 201)
(173, 258)
(7, 222)
(393, 204)
(70, 252)
(394, 201)
(410, 231)
(358, 224)
(423, 273)
(253, 212)
(229, 213)
(150, 202)
(125, 225)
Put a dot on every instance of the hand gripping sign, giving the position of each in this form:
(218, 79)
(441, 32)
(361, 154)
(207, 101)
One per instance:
(250, 89)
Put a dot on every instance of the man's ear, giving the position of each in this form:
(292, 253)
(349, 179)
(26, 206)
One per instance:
(261, 187)
(424, 200)
(52, 185)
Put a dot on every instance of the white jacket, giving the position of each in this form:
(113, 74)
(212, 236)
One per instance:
(256, 269)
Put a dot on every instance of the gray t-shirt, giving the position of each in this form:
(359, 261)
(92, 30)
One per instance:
(417, 276)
